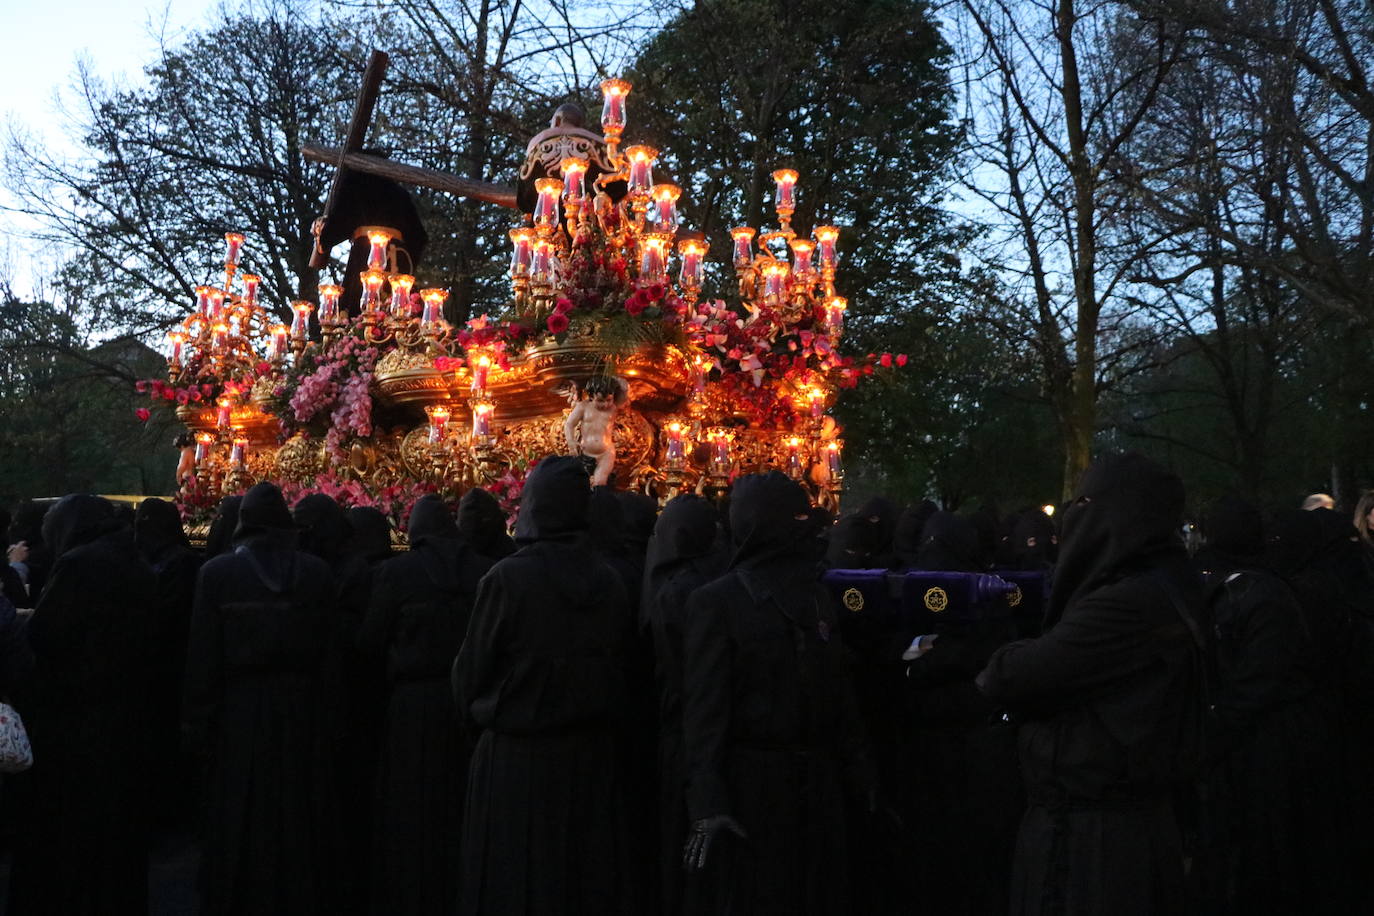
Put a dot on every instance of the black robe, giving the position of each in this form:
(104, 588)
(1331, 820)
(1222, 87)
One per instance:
(483, 525)
(256, 705)
(1110, 700)
(421, 603)
(82, 808)
(770, 723)
(541, 676)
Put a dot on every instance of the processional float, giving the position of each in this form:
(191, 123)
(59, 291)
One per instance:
(603, 348)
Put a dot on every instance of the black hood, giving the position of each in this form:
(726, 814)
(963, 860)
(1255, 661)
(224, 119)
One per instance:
(1034, 543)
(606, 523)
(323, 526)
(263, 511)
(1125, 516)
(640, 513)
(222, 527)
(1308, 537)
(771, 519)
(863, 538)
(1235, 534)
(157, 529)
(75, 520)
(553, 504)
(684, 534)
(430, 518)
(948, 544)
(906, 537)
(371, 533)
(483, 525)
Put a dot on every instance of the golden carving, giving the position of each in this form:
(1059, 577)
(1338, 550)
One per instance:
(301, 459)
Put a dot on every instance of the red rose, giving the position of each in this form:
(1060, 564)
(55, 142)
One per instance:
(169, 394)
(654, 292)
(563, 305)
(901, 359)
(558, 323)
(141, 386)
(183, 398)
(886, 361)
(635, 304)
(143, 414)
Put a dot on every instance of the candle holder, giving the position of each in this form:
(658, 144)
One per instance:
(613, 93)
(785, 199)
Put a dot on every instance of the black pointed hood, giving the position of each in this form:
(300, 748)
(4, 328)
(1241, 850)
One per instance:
(226, 521)
(906, 537)
(1125, 516)
(77, 519)
(949, 543)
(430, 518)
(553, 504)
(771, 519)
(371, 533)
(157, 529)
(1235, 535)
(323, 526)
(1034, 543)
(483, 525)
(263, 511)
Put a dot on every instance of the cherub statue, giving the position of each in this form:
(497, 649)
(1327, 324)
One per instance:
(590, 427)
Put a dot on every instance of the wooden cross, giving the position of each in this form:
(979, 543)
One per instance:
(349, 158)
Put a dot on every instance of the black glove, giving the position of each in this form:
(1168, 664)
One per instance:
(704, 833)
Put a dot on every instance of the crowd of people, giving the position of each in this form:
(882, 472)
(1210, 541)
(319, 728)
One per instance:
(627, 710)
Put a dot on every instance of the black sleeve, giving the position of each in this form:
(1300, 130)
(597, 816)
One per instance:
(708, 659)
(204, 686)
(1267, 638)
(473, 668)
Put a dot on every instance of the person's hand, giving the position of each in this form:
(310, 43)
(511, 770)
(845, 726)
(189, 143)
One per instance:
(18, 553)
(703, 835)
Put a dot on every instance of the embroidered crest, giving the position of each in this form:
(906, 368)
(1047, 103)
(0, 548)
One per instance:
(853, 600)
(936, 600)
(1014, 596)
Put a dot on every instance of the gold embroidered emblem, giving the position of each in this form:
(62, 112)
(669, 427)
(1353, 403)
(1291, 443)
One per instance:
(936, 600)
(853, 600)
(1014, 596)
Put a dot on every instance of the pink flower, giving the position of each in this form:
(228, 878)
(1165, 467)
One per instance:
(143, 414)
(636, 303)
(558, 323)
(901, 359)
(563, 306)
(886, 361)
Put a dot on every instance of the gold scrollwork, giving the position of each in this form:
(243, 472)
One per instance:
(936, 600)
(853, 600)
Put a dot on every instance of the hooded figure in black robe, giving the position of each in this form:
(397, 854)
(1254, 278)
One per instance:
(421, 603)
(949, 543)
(1273, 737)
(683, 558)
(362, 202)
(862, 539)
(220, 538)
(258, 693)
(28, 527)
(541, 677)
(81, 832)
(371, 534)
(906, 537)
(1034, 544)
(770, 722)
(163, 544)
(483, 525)
(1110, 703)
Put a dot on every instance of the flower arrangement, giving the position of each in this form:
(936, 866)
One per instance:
(331, 385)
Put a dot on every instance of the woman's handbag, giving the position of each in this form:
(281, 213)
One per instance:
(16, 755)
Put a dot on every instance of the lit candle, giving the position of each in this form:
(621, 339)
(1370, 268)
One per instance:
(277, 353)
(785, 199)
(774, 280)
(481, 420)
(178, 341)
(744, 246)
(613, 92)
(372, 289)
(541, 264)
(574, 180)
(816, 397)
(250, 288)
(202, 300)
(434, 306)
(700, 366)
(794, 458)
(219, 336)
(546, 209)
(329, 301)
(481, 366)
(215, 302)
(438, 423)
(802, 250)
(223, 414)
(238, 452)
(832, 460)
(677, 449)
(203, 443)
(641, 168)
(719, 441)
(400, 295)
(665, 206)
(522, 240)
(376, 257)
(826, 237)
(693, 254)
(834, 313)
(234, 245)
(653, 258)
(300, 324)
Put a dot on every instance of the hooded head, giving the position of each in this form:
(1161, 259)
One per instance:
(75, 520)
(606, 523)
(1235, 532)
(863, 538)
(553, 504)
(906, 538)
(263, 511)
(1033, 543)
(430, 518)
(157, 529)
(371, 533)
(1125, 516)
(226, 521)
(771, 519)
(482, 523)
(323, 526)
(949, 543)
(640, 513)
